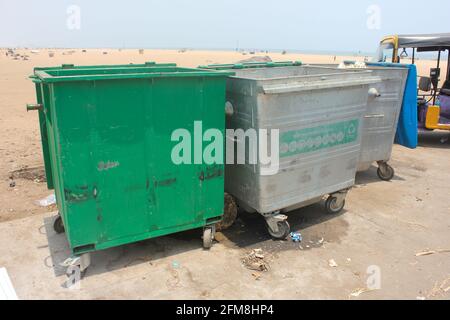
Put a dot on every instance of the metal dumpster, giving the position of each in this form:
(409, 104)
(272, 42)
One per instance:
(106, 133)
(381, 119)
(319, 115)
(382, 115)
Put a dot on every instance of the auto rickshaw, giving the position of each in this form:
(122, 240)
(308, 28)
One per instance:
(433, 101)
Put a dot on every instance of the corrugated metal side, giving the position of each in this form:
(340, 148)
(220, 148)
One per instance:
(382, 114)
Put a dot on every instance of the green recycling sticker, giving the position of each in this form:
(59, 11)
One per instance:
(317, 138)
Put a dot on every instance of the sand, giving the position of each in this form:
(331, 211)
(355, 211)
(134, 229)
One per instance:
(20, 146)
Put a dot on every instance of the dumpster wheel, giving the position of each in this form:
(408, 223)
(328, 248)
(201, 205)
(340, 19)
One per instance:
(71, 274)
(229, 213)
(385, 172)
(76, 266)
(208, 236)
(283, 230)
(333, 205)
(58, 225)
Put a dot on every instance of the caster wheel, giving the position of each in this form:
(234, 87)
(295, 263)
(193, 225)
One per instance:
(58, 225)
(333, 206)
(385, 172)
(71, 273)
(74, 276)
(208, 237)
(283, 230)
(229, 213)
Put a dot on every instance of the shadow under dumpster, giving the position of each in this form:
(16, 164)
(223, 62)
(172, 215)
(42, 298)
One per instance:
(312, 222)
(247, 233)
(370, 176)
(121, 257)
(427, 139)
(58, 247)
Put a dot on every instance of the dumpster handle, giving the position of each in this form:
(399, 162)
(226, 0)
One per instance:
(373, 93)
(372, 116)
(229, 109)
(37, 106)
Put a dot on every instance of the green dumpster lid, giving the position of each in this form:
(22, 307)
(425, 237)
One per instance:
(248, 65)
(68, 72)
(72, 66)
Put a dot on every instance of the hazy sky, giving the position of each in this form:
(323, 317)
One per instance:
(313, 25)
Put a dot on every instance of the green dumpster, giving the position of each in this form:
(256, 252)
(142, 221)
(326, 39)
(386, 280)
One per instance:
(107, 142)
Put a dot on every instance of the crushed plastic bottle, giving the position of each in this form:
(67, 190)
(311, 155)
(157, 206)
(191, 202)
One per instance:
(296, 236)
(47, 201)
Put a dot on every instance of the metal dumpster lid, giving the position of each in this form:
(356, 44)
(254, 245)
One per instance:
(70, 72)
(249, 65)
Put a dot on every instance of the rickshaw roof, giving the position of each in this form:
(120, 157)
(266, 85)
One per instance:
(432, 42)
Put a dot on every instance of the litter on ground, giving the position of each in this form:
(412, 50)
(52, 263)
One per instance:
(296, 236)
(254, 260)
(332, 263)
(431, 252)
(47, 201)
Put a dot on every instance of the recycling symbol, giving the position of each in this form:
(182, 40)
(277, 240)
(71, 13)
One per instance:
(351, 129)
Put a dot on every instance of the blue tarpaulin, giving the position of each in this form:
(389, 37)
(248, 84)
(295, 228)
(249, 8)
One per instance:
(407, 123)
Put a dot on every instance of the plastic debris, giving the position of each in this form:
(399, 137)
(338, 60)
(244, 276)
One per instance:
(332, 263)
(359, 291)
(296, 236)
(7, 291)
(47, 201)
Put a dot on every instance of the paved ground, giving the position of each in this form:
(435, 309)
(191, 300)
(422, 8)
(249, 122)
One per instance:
(383, 228)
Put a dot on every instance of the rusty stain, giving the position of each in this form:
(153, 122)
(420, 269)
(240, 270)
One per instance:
(211, 174)
(165, 183)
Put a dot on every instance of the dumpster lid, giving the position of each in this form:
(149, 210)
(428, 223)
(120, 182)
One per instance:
(249, 65)
(129, 65)
(67, 72)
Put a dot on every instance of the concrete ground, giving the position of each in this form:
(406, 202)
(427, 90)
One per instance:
(384, 226)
